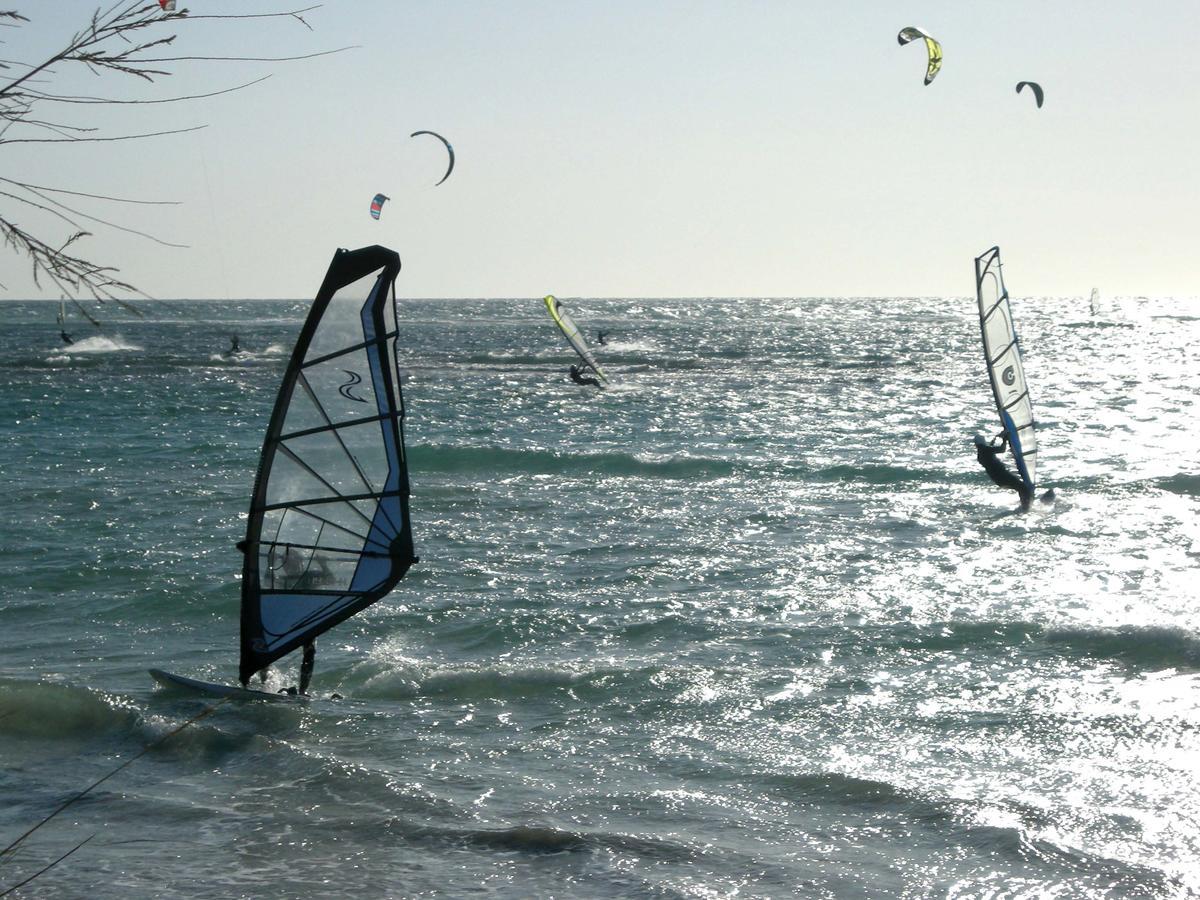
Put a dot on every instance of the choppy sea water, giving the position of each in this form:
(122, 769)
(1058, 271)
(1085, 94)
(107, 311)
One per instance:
(752, 623)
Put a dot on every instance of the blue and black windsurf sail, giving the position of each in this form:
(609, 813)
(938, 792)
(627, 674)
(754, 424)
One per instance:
(329, 530)
(1002, 353)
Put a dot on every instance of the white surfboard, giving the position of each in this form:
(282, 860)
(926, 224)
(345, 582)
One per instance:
(212, 689)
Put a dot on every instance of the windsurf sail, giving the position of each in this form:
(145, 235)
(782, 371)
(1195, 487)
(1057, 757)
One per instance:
(1003, 355)
(62, 314)
(329, 531)
(1094, 301)
(571, 332)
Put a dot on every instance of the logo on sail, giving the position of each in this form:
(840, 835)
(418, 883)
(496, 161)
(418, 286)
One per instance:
(1009, 376)
(346, 390)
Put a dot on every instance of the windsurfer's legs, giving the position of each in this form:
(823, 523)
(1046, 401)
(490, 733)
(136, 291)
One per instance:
(989, 458)
(306, 665)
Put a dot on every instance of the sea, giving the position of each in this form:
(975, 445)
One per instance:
(752, 622)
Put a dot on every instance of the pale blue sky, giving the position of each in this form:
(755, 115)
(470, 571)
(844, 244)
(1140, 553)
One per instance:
(656, 149)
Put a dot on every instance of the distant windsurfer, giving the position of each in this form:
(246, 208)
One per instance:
(578, 377)
(988, 455)
(600, 337)
(66, 338)
(234, 347)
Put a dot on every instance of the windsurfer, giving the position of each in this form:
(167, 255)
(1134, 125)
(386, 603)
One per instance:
(234, 346)
(600, 337)
(65, 337)
(578, 377)
(988, 455)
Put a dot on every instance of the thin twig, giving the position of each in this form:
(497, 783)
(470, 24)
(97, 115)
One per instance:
(50, 98)
(92, 196)
(123, 137)
(251, 58)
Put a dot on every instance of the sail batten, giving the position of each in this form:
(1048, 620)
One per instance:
(1005, 370)
(329, 532)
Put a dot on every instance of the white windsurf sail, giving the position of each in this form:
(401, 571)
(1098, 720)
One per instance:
(571, 332)
(329, 531)
(1003, 355)
(1094, 301)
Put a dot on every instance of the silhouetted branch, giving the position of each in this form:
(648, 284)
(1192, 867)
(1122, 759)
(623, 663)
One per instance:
(121, 38)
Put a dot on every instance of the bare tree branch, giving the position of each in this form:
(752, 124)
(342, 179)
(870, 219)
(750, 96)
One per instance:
(253, 58)
(119, 38)
(122, 137)
(92, 196)
(49, 98)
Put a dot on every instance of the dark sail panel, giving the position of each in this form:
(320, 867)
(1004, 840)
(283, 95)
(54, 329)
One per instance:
(329, 531)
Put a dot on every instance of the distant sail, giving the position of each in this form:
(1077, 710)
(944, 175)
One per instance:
(1003, 356)
(329, 530)
(62, 313)
(571, 332)
(1094, 301)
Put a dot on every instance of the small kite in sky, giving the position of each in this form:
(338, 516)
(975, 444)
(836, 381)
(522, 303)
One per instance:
(1038, 95)
(935, 49)
(449, 150)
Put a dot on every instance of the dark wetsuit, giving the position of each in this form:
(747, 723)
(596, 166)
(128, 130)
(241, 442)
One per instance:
(234, 347)
(578, 377)
(600, 337)
(66, 337)
(306, 665)
(989, 457)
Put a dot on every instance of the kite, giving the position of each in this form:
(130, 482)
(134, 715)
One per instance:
(935, 49)
(449, 150)
(1038, 94)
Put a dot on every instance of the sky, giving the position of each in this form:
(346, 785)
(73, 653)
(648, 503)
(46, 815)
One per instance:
(643, 149)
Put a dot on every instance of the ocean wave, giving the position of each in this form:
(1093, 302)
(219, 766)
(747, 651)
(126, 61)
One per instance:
(538, 839)
(1181, 483)
(880, 474)
(98, 343)
(405, 681)
(1141, 647)
(505, 461)
(52, 710)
